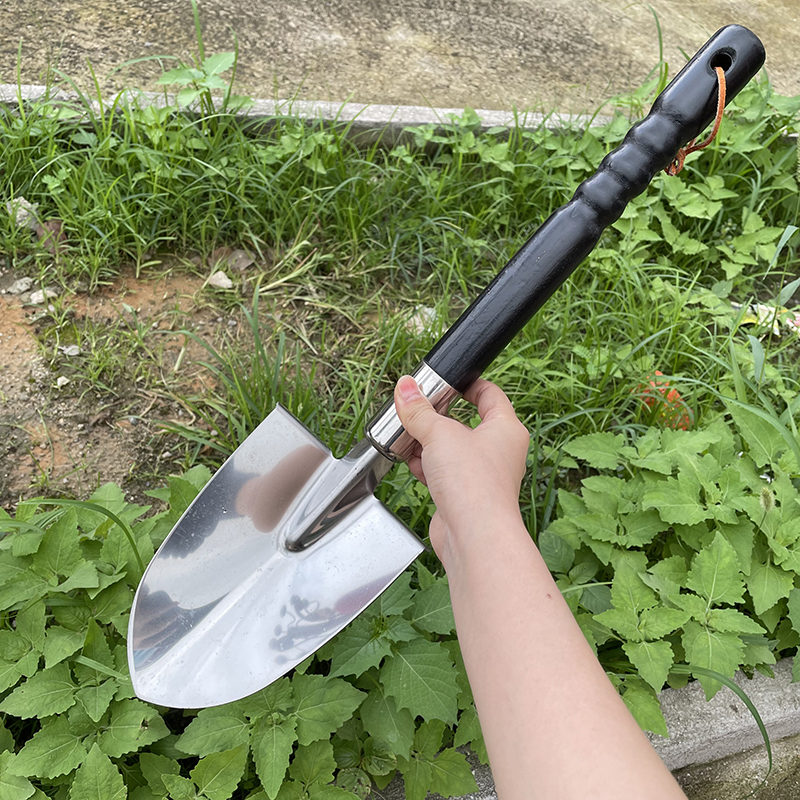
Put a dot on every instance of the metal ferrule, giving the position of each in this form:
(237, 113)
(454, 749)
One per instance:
(385, 431)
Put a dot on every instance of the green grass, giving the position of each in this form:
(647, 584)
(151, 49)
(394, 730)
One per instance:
(349, 242)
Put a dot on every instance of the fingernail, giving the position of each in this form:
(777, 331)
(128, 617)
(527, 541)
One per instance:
(407, 387)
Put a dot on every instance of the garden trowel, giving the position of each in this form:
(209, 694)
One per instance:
(286, 544)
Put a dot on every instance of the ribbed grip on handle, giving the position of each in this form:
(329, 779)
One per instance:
(680, 113)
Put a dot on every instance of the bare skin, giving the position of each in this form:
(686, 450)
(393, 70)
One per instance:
(555, 727)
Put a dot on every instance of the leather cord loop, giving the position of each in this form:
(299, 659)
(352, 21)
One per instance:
(677, 165)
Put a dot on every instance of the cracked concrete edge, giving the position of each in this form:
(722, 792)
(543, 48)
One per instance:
(366, 122)
(701, 731)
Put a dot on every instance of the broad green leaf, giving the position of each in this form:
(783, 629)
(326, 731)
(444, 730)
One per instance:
(421, 678)
(271, 742)
(628, 590)
(767, 584)
(625, 621)
(96, 650)
(396, 599)
(50, 691)
(643, 704)
(112, 602)
(26, 542)
(96, 699)
(451, 775)
(179, 788)
(417, 775)
(363, 644)
(428, 738)
(9, 674)
(599, 450)
(465, 699)
(153, 767)
(432, 611)
(677, 500)
(655, 623)
(556, 552)
(30, 624)
(133, 726)
(313, 763)
(763, 439)
(181, 494)
(84, 576)
(742, 536)
(729, 620)
(97, 779)
(666, 577)
(355, 781)
(219, 62)
(653, 661)
(677, 442)
(383, 720)
(721, 652)
(60, 550)
(399, 629)
(715, 574)
(60, 643)
(21, 589)
(13, 646)
(469, 732)
(13, 787)
(322, 705)
(794, 611)
(218, 774)
(641, 527)
(378, 758)
(214, 730)
(6, 739)
(277, 697)
(52, 751)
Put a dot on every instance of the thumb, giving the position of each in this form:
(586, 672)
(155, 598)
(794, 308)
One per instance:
(414, 409)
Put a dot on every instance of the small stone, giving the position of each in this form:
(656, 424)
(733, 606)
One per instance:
(20, 286)
(239, 260)
(232, 323)
(24, 213)
(220, 280)
(70, 350)
(38, 297)
(61, 382)
(166, 454)
(422, 320)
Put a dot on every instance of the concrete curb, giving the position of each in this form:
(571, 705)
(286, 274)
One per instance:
(366, 123)
(701, 731)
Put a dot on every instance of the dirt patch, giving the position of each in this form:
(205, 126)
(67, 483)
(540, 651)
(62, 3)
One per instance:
(76, 411)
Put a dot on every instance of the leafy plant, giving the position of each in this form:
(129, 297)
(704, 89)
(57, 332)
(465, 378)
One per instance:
(382, 697)
(683, 549)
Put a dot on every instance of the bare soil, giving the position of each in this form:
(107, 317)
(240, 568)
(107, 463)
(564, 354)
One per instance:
(68, 440)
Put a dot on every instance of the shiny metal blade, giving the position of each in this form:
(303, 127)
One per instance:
(283, 548)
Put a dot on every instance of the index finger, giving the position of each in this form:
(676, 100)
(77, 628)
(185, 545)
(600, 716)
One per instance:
(490, 399)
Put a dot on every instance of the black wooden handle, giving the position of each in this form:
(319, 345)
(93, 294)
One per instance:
(681, 112)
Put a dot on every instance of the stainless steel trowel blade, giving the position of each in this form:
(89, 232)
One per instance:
(232, 600)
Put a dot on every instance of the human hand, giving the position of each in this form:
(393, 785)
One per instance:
(473, 475)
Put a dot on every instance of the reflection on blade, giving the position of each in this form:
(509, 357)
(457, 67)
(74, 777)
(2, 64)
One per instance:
(244, 588)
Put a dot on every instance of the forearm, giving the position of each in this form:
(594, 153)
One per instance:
(554, 725)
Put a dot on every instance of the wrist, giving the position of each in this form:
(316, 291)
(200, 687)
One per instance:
(479, 537)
